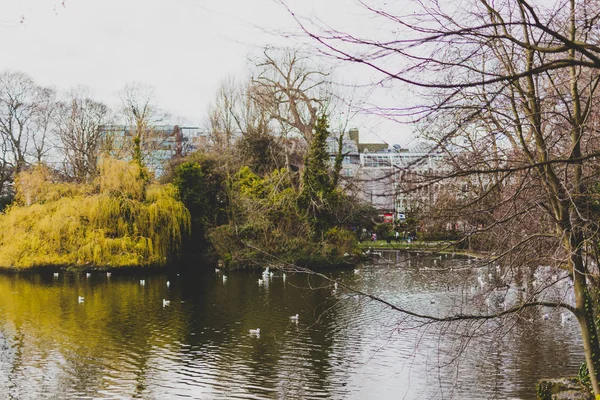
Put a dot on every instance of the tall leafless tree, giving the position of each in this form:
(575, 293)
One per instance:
(240, 115)
(507, 90)
(224, 114)
(142, 115)
(292, 88)
(78, 128)
(25, 113)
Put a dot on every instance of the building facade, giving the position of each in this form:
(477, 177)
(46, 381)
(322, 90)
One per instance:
(160, 144)
(394, 180)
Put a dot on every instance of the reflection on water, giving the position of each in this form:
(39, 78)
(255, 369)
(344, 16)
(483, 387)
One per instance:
(122, 341)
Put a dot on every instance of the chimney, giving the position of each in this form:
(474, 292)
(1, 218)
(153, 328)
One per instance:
(353, 134)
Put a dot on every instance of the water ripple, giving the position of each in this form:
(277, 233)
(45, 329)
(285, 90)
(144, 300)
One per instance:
(121, 342)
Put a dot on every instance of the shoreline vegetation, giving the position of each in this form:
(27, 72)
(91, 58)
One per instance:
(250, 214)
(439, 247)
(208, 204)
(122, 220)
(117, 220)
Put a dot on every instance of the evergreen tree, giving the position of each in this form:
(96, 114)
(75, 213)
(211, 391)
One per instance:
(318, 195)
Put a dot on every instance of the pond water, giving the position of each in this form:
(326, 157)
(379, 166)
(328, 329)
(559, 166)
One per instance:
(121, 340)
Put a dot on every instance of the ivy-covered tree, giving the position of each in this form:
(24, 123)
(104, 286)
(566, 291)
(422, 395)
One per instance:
(201, 187)
(319, 196)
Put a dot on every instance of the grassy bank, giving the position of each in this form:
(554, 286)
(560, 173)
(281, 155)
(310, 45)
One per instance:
(425, 246)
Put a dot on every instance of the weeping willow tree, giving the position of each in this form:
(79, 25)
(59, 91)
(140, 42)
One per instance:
(117, 221)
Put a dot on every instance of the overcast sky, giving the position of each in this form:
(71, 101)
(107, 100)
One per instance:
(183, 48)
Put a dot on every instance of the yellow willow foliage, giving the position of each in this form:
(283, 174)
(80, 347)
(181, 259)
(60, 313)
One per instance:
(36, 186)
(109, 228)
(121, 178)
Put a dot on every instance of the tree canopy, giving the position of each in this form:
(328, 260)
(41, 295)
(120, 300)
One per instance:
(116, 221)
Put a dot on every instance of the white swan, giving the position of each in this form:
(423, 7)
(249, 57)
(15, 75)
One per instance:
(168, 284)
(108, 274)
(260, 282)
(166, 302)
(142, 282)
(266, 271)
(80, 299)
(294, 318)
(56, 274)
(88, 275)
(255, 331)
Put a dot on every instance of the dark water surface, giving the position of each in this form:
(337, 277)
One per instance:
(121, 342)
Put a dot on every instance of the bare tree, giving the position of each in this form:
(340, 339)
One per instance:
(143, 115)
(292, 89)
(507, 91)
(78, 127)
(224, 114)
(43, 123)
(238, 115)
(25, 112)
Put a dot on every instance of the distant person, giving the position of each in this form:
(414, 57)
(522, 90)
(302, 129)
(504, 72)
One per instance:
(362, 236)
(397, 236)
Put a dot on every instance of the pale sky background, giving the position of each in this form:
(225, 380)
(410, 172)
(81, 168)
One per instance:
(183, 48)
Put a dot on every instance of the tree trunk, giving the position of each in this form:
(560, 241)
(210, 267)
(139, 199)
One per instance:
(584, 311)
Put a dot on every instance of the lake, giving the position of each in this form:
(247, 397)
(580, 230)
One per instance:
(75, 336)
